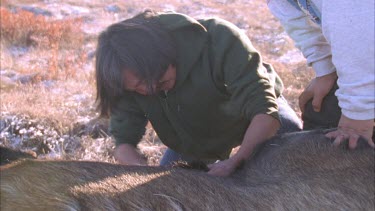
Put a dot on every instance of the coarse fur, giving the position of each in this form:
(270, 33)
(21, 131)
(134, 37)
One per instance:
(297, 171)
(8, 155)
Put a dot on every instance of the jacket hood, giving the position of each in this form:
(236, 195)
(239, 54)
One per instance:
(190, 37)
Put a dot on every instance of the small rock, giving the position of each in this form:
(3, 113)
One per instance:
(18, 51)
(113, 8)
(91, 55)
(37, 11)
(130, 10)
(48, 83)
(25, 79)
(10, 79)
(7, 83)
(76, 10)
(8, 73)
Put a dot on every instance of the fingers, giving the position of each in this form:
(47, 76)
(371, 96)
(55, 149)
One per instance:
(339, 136)
(317, 101)
(332, 134)
(216, 170)
(317, 89)
(371, 143)
(221, 168)
(304, 98)
(210, 166)
(353, 139)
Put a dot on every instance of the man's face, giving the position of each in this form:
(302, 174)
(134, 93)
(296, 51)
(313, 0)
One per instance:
(134, 83)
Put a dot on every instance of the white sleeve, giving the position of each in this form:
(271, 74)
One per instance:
(349, 27)
(308, 36)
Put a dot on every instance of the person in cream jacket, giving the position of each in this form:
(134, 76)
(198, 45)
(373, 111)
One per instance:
(337, 40)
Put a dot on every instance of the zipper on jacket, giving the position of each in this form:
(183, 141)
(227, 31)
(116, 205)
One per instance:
(164, 95)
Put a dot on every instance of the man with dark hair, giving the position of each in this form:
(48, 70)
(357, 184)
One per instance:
(200, 83)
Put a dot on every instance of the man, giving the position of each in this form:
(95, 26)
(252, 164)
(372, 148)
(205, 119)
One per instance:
(200, 83)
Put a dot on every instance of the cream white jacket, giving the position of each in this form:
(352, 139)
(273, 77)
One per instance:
(343, 43)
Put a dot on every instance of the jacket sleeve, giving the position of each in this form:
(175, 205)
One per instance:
(127, 121)
(239, 66)
(307, 36)
(349, 27)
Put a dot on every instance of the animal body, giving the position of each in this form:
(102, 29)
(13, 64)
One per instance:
(8, 155)
(297, 171)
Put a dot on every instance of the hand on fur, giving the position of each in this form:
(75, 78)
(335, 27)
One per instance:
(223, 168)
(352, 129)
(127, 154)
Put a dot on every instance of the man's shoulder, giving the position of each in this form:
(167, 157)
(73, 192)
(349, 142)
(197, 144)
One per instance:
(216, 23)
(219, 29)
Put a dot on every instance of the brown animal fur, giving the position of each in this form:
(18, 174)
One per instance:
(8, 155)
(299, 171)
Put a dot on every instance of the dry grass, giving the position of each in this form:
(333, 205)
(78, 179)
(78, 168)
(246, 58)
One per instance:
(57, 50)
(25, 28)
(55, 38)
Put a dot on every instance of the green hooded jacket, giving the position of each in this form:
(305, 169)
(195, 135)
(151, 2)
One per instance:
(221, 85)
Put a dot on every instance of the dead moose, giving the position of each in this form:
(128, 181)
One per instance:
(298, 171)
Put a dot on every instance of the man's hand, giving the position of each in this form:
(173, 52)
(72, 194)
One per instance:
(127, 154)
(223, 168)
(352, 129)
(261, 128)
(318, 88)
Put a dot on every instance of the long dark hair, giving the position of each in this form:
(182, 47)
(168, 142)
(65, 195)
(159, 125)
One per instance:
(140, 44)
